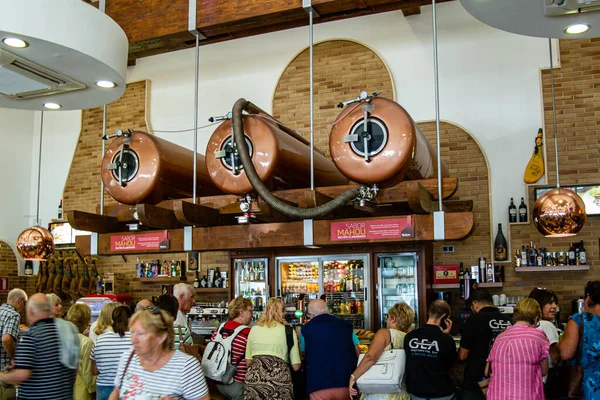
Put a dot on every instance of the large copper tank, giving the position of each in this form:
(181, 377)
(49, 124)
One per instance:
(397, 149)
(156, 170)
(281, 160)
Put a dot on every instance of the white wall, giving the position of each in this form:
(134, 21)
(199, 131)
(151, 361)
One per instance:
(16, 134)
(489, 84)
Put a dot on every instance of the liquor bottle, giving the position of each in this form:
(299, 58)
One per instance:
(517, 258)
(577, 253)
(203, 282)
(524, 257)
(461, 280)
(532, 255)
(60, 212)
(137, 267)
(28, 267)
(163, 268)
(342, 285)
(522, 211)
(500, 246)
(217, 282)
(582, 255)
(252, 276)
(361, 277)
(197, 281)
(571, 260)
(261, 272)
(467, 286)
(142, 270)
(357, 287)
(179, 269)
(512, 211)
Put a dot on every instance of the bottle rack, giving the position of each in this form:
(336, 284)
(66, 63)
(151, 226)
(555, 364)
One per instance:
(551, 268)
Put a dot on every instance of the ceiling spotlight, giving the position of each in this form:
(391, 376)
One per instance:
(52, 106)
(14, 42)
(106, 84)
(576, 29)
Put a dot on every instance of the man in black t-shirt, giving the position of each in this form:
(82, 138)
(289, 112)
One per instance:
(479, 333)
(430, 353)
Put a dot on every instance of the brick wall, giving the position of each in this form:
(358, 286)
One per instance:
(577, 97)
(9, 267)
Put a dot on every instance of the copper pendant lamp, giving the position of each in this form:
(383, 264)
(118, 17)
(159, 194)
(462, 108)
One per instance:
(36, 243)
(558, 212)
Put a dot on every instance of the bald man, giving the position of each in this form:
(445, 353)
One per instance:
(330, 351)
(143, 304)
(39, 370)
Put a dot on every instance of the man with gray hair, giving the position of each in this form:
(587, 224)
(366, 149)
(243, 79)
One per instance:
(185, 296)
(10, 319)
(40, 368)
(143, 304)
(330, 351)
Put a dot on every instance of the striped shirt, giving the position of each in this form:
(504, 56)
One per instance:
(515, 358)
(38, 350)
(238, 347)
(9, 325)
(107, 353)
(181, 378)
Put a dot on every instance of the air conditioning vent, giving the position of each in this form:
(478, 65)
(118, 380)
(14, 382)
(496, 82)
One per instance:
(23, 79)
(557, 8)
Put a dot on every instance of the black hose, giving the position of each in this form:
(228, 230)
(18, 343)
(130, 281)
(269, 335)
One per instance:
(263, 191)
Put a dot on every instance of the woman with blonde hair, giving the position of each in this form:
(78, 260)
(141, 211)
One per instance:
(55, 304)
(268, 375)
(153, 369)
(104, 321)
(85, 383)
(399, 319)
(519, 357)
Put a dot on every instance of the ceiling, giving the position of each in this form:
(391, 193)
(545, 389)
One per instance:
(155, 27)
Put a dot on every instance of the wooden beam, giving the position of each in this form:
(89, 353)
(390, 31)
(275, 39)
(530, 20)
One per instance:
(419, 199)
(85, 221)
(189, 213)
(312, 199)
(157, 217)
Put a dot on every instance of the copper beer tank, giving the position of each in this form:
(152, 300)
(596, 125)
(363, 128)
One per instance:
(397, 149)
(281, 160)
(155, 170)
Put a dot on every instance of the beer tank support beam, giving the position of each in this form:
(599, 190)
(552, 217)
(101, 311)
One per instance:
(438, 216)
(307, 5)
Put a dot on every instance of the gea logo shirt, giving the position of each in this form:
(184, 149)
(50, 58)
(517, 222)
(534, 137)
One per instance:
(424, 347)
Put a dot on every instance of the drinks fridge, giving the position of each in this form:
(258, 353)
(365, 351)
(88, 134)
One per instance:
(397, 282)
(340, 280)
(251, 281)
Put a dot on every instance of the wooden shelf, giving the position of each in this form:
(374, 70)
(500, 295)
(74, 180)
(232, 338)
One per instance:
(457, 285)
(212, 290)
(503, 262)
(560, 268)
(161, 280)
(518, 223)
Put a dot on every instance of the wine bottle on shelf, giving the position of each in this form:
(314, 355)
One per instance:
(582, 255)
(571, 260)
(522, 211)
(524, 258)
(500, 246)
(461, 280)
(197, 280)
(60, 211)
(512, 211)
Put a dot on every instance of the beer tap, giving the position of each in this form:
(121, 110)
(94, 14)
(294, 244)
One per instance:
(364, 96)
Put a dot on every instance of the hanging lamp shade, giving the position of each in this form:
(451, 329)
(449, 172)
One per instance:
(35, 243)
(559, 213)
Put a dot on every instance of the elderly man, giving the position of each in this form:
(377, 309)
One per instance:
(331, 353)
(185, 297)
(143, 304)
(10, 319)
(46, 357)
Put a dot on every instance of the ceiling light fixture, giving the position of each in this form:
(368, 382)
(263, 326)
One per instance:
(71, 44)
(36, 243)
(558, 212)
(576, 29)
(15, 42)
(52, 106)
(106, 84)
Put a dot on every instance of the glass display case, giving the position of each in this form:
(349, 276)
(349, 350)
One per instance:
(397, 282)
(251, 281)
(339, 280)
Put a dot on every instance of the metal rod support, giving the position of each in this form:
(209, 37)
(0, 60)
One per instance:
(437, 105)
(196, 116)
(39, 182)
(103, 151)
(554, 112)
(312, 105)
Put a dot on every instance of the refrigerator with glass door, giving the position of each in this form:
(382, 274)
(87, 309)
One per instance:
(397, 282)
(251, 281)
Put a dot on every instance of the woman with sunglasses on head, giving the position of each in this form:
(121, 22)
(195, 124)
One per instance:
(268, 375)
(590, 351)
(154, 370)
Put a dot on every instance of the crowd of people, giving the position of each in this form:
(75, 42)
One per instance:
(141, 354)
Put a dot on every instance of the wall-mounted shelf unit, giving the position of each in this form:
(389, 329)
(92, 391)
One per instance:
(161, 280)
(457, 285)
(212, 290)
(548, 268)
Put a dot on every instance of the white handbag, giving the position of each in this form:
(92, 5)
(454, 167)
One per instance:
(386, 375)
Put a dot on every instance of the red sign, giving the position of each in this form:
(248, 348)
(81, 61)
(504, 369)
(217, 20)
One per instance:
(140, 241)
(373, 229)
(4, 285)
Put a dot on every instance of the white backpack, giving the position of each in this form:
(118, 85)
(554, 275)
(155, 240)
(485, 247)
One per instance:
(216, 360)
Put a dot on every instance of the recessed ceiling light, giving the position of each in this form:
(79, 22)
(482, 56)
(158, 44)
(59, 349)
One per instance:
(106, 84)
(52, 106)
(576, 29)
(14, 42)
